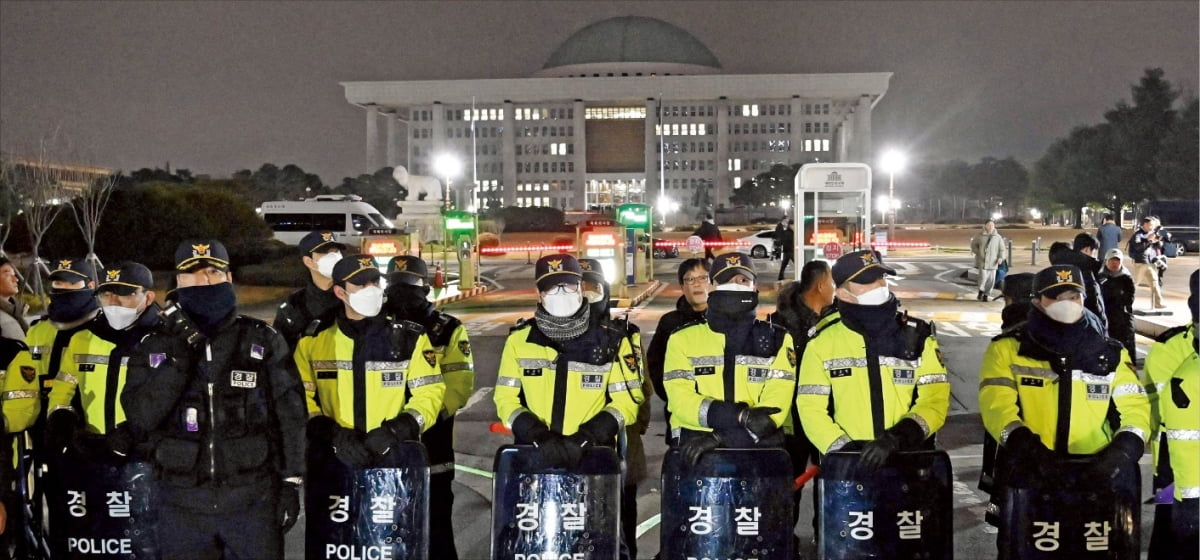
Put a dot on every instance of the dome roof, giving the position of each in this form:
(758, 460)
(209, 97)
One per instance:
(632, 39)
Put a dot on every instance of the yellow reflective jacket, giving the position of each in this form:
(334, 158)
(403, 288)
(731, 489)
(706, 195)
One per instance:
(597, 372)
(694, 374)
(1173, 370)
(94, 366)
(48, 349)
(19, 391)
(458, 368)
(361, 374)
(1018, 390)
(841, 399)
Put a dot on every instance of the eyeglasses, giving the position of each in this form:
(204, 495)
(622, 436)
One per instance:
(562, 289)
(695, 280)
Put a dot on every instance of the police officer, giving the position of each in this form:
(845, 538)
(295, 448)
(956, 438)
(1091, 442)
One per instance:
(18, 411)
(72, 305)
(730, 379)
(95, 365)
(597, 291)
(563, 382)
(869, 348)
(315, 300)
(1173, 370)
(1038, 419)
(406, 299)
(213, 393)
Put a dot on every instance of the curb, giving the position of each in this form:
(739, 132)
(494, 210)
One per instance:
(645, 295)
(958, 296)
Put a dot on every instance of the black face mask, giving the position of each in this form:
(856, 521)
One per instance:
(70, 305)
(407, 300)
(726, 307)
(207, 305)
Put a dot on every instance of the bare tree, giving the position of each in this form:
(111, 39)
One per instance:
(88, 209)
(41, 185)
(8, 200)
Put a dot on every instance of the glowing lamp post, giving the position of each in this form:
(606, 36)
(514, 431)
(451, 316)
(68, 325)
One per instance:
(891, 163)
(447, 166)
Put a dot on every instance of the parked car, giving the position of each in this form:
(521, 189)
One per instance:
(664, 248)
(759, 243)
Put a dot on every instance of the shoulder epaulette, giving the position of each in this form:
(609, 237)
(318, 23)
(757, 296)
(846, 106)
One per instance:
(316, 326)
(1011, 332)
(691, 323)
(409, 326)
(1171, 333)
(521, 323)
(822, 327)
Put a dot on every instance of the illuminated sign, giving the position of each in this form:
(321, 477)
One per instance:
(599, 240)
(824, 237)
(388, 248)
(634, 215)
(460, 221)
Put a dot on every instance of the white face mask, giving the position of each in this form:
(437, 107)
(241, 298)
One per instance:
(877, 296)
(119, 316)
(1066, 312)
(326, 262)
(731, 287)
(367, 301)
(594, 297)
(562, 305)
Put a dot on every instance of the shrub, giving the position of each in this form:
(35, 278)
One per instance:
(532, 219)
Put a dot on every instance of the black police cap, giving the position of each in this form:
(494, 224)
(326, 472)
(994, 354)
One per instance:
(552, 270)
(860, 267)
(73, 270)
(125, 278)
(407, 269)
(356, 269)
(728, 265)
(1054, 280)
(198, 253)
(320, 242)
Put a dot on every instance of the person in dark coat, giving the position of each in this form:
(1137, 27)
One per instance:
(693, 281)
(787, 244)
(1117, 289)
(709, 232)
(1083, 255)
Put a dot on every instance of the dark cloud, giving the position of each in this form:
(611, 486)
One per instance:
(218, 86)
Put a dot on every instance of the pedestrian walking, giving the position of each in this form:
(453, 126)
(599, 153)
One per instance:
(988, 248)
(1145, 249)
(1108, 234)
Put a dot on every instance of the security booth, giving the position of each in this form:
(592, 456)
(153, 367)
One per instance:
(833, 206)
(603, 239)
(462, 233)
(637, 219)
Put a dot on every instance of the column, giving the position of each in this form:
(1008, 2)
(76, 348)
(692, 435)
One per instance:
(392, 126)
(652, 176)
(723, 182)
(372, 138)
(796, 120)
(508, 154)
(579, 122)
(861, 135)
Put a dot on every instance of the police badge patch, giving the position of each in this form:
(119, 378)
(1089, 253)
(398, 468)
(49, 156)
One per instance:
(243, 379)
(430, 357)
(791, 354)
(464, 346)
(392, 379)
(591, 381)
(631, 362)
(256, 351)
(1097, 392)
(28, 373)
(157, 360)
(903, 377)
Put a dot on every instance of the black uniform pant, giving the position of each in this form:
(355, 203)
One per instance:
(439, 443)
(191, 529)
(1175, 531)
(787, 259)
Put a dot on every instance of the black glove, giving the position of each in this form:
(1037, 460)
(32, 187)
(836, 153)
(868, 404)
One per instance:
(1122, 453)
(557, 451)
(348, 447)
(758, 421)
(60, 430)
(319, 430)
(905, 435)
(121, 439)
(289, 505)
(391, 433)
(1031, 456)
(176, 323)
(699, 445)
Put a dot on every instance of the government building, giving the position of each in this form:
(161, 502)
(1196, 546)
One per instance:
(628, 109)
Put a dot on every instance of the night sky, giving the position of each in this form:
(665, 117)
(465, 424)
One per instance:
(216, 86)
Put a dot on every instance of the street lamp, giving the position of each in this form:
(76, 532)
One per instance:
(892, 162)
(447, 166)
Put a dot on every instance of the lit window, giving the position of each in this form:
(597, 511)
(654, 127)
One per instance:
(737, 182)
(754, 110)
(825, 145)
(808, 147)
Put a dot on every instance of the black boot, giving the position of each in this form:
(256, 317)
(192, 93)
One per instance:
(982, 296)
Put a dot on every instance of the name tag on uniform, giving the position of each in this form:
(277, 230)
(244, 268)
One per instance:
(903, 377)
(840, 372)
(1033, 382)
(706, 370)
(85, 368)
(757, 375)
(243, 379)
(327, 374)
(1097, 392)
(591, 381)
(392, 379)
(532, 372)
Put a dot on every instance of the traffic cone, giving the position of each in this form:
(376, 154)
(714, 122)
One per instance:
(439, 281)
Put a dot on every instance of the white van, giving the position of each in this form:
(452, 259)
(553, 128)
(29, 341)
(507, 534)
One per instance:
(347, 216)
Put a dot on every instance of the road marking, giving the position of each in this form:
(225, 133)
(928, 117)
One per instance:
(476, 398)
(473, 470)
(645, 526)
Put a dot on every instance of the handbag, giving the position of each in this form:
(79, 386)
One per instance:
(1001, 271)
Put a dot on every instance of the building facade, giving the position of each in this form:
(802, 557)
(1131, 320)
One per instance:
(628, 109)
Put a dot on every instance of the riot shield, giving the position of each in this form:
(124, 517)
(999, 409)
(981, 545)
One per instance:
(101, 508)
(379, 512)
(734, 503)
(540, 512)
(1076, 516)
(902, 511)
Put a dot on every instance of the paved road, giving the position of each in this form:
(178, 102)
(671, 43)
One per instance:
(964, 328)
